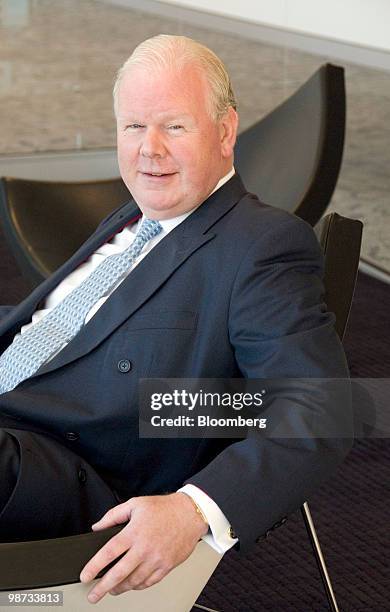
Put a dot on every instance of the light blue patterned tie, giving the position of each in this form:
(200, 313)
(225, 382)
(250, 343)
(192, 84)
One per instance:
(32, 349)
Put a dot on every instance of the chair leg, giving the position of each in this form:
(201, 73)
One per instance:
(319, 557)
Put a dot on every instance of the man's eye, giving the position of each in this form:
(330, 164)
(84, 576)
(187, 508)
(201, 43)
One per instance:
(133, 126)
(175, 127)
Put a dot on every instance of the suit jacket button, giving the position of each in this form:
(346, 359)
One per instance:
(264, 536)
(261, 538)
(280, 523)
(71, 435)
(82, 474)
(124, 365)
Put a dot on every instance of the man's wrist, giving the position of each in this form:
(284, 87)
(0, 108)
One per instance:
(198, 515)
(219, 535)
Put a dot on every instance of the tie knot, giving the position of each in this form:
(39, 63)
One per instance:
(149, 228)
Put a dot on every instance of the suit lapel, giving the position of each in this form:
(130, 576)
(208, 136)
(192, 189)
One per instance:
(170, 253)
(134, 291)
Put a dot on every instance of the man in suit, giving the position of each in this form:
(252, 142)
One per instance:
(217, 285)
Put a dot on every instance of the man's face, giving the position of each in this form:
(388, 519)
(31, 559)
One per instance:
(171, 152)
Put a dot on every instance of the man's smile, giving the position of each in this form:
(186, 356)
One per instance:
(157, 176)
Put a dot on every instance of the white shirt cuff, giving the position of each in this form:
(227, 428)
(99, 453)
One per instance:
(219, 538)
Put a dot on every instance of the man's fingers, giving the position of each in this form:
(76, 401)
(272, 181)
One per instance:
(108, 553)
(144, 574)
(155, 577)
(162, 532)
(114, 576)
(115, 516)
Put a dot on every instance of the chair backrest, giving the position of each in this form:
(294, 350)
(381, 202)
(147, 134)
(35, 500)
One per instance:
(45, 222)
(340, 239)
(291, 158)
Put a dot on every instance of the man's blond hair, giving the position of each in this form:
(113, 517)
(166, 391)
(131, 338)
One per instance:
(168, 51)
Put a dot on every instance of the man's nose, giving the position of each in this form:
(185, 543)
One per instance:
(152, 144)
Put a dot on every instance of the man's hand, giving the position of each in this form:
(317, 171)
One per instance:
(161, 532)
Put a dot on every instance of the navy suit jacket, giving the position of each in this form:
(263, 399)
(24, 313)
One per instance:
(234, 291)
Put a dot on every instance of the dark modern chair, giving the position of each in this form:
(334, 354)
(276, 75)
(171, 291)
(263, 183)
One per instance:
(50, 563)
(55, 565)
(46, 222)
(340, 238)
(291, 157)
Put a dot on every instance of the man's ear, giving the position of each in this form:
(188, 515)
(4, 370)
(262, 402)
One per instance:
(228, 131)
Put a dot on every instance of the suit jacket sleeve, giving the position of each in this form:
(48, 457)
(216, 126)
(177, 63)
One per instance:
(4, 310)
(279, 328)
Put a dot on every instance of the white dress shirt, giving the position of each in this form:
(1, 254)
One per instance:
(219, 538)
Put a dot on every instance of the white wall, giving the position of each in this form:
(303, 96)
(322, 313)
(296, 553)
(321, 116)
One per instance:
(361, 22)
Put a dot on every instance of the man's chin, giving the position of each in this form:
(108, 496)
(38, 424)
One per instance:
(158, 208)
